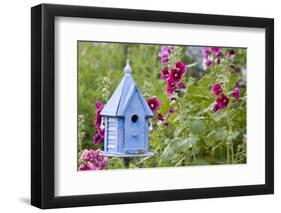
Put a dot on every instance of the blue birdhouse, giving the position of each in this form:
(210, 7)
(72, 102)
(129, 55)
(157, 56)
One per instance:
(126, 120)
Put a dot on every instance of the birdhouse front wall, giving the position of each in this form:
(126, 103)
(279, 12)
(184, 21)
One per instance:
(135, 126)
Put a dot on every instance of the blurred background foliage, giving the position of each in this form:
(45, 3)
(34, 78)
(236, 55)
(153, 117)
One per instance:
(194, 134)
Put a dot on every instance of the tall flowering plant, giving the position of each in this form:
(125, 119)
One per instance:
(206, 116)
(92, 160)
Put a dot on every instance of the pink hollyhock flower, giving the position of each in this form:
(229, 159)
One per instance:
(205, 52)
(92, 160)
(160, 117)
(165, 54)
(87, 155)
(154, 104)
(217, 89)
(170, 86)
(100, 161)
(216, 51)
(236, 93)
(175, 75)
(222, 102)
(86, 166)
(181, 66)
(165, 73)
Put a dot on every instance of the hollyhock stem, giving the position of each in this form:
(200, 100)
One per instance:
(232, 152)
(227, 154)
(228, 142)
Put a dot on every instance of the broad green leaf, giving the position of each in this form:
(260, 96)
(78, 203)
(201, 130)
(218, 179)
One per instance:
(198, 127)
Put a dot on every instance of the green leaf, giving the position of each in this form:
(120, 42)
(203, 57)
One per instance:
(210, 139)
(233, 135)
(190, 141)
(198, 127)
(219, 115)
(177, 131)
(221, 134)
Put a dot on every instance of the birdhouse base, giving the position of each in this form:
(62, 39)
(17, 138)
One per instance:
(124, 155)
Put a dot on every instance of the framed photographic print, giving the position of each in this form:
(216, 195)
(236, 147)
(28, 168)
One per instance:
(140, 106)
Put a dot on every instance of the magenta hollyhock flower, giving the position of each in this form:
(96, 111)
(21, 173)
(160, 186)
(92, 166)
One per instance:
(160, 117)
(98, 137)
(175, 75)
(165, 73)
(236, 93)
(154, 104)
(165, 54)
(205, 52)
(181, 85)
(217, 89)
(216, 51)
(181, 66)
(216, 108)
(222, 102)
(170, 86)
(86, 166)
(99, 107)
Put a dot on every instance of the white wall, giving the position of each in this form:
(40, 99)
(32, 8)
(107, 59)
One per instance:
(15, 105)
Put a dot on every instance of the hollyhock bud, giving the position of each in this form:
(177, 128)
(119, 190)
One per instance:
(236, 93)
(165, 73)
(160, 117)
(230, 54)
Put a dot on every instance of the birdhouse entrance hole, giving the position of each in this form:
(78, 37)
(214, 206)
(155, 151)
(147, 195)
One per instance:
(135, 118)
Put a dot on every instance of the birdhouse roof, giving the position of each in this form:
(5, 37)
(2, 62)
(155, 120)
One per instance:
(126, 90)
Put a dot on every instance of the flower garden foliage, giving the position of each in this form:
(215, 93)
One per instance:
(197, 94)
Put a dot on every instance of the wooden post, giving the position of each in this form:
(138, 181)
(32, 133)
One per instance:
(127, 162)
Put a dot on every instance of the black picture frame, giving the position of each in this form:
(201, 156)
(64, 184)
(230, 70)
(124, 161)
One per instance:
(43, 102)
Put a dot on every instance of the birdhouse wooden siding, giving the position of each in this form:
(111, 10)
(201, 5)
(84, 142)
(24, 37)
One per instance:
(126, 120)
